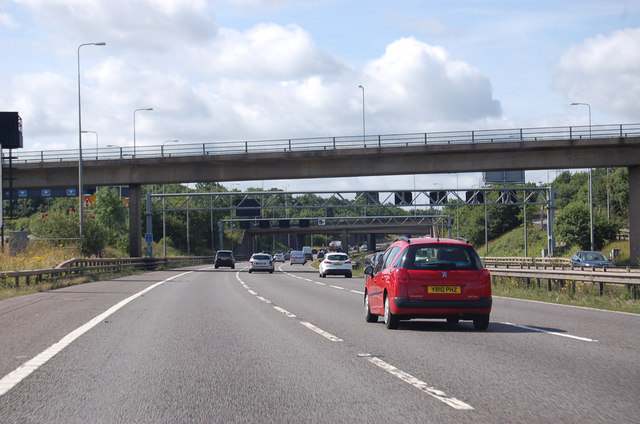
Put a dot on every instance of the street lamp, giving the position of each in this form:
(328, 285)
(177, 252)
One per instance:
(134, 128)
(363, 128)
(590, 181)
(80, 188)
(93, 132)
(165, 142)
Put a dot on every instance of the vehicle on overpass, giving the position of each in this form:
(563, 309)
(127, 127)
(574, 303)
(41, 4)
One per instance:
(428, 278)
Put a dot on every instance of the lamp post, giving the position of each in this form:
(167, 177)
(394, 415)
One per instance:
(80, 188)
(93, 132)
(134, 128)
(165, 142)
(590, 181)
(364, 134)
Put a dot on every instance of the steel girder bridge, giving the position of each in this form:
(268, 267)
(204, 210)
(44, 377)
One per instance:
(267, 212)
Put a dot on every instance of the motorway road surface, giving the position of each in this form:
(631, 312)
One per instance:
(205, 345)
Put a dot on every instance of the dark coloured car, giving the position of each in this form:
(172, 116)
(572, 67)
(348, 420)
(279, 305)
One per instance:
(428, 278)
(589, 258)
(225, 258)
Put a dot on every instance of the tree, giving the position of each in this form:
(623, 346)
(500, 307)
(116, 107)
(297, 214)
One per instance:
(110, 213)
(572, 225)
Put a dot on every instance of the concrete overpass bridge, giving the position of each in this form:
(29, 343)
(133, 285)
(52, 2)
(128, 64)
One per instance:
(416, 153)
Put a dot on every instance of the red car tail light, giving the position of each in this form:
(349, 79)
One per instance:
(401, 275)
(347, 262)
(485, 278)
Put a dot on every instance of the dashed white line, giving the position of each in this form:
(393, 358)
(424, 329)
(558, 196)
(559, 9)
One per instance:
(554, 333)
(417, 383)
(337, 287)
(15, 377)
(320, 331)
(284, 311)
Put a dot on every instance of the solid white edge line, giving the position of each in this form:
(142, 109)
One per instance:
(417, 383)
(320, 331)
(553, 333)
(568, 306)
(12, 379)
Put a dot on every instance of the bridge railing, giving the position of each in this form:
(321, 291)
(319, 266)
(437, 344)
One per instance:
(329, 143)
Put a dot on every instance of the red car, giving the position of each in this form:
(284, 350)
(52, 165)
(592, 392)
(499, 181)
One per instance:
(428, 278)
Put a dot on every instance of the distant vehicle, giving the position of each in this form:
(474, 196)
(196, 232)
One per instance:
(297, 257)
(287, 255)
(428, 278)
(308, 253)
(335, 264)
(335, 246)
(278, 257)
(261, 262)
(589, 258)
(224, 258)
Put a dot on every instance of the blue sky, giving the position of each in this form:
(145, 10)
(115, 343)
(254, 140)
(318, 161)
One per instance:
(249, 69)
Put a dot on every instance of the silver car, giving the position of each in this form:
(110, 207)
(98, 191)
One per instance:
(261, 262)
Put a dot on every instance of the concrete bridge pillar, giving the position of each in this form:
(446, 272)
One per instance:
(634, 213)
(135, 220)
(371, 242)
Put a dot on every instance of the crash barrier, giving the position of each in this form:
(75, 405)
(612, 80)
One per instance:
(567, 276)
(81, 266)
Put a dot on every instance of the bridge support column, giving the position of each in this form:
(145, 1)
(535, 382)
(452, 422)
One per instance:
(300, 240)
(135, 220)
(345, 241)
(634, 213)
(371, 242)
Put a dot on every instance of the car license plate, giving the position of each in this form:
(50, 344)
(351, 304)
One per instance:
(444, 289)
(338, 264)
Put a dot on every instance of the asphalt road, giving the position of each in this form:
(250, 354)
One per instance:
(205, 345)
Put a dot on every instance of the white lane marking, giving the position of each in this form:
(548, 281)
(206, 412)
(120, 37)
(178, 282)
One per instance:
(417, 383)
(264, 299)
(252, 292)
(320, 283)
(588, 308)
(356, 292)
(337, 287)
(284, 311)
(554, 333)
(320, 331)
(12, 379)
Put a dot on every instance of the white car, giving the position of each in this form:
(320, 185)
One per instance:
(335, 264)
(297, 257)
(278, 257)
(261, 262)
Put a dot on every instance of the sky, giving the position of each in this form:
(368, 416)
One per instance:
(228, 70)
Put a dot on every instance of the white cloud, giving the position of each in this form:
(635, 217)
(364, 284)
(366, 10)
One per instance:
(269, 51)
(7, 21)
(604, 71)
(419, 81)
(151, 23)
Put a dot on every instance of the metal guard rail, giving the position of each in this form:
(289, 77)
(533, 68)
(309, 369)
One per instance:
(79, 266)
(515, 135)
